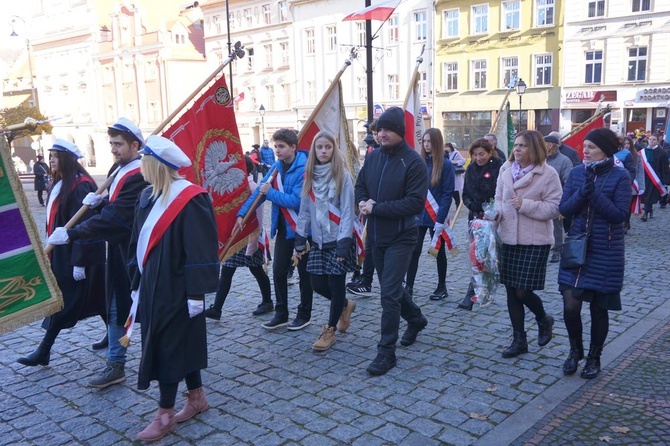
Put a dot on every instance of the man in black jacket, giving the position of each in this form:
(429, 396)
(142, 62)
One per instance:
(391, 190)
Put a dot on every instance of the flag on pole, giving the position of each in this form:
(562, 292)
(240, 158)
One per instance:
(330, 115)
(28, 288)
(207, 133)
(576, 140)
(379, 11)
(414, 127)
(505, 130)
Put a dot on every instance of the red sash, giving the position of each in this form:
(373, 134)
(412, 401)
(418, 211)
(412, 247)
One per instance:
(651, 173)
(123, 174)
(447, 235)
(289, 214)
(333, 213)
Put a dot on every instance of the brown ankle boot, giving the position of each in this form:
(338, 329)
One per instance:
(326, 339)
(195, 404)
(345, 318)
(161, 425)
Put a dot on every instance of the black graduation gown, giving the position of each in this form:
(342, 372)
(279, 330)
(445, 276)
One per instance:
(114, 224)
(658, 161)
(86, 297)
(183, 263)
(40, 170)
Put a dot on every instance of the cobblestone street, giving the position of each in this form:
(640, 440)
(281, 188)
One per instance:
(451, 387)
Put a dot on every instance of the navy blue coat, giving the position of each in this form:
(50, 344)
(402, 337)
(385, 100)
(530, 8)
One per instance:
(608, 206)
(442, 192)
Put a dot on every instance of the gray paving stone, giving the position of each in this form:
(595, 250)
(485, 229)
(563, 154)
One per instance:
(392, 432)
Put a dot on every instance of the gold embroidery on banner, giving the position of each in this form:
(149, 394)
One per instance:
(200, 148)
(16, 289)
(233, 204)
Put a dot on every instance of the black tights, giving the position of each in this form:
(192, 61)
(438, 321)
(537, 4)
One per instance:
(457, 198)
(169, 390)
(600, 323)
(226, 279)
(416, 254)
(516, 299)
(333, 289)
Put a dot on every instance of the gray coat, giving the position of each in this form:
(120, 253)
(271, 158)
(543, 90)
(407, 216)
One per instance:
(561, 164)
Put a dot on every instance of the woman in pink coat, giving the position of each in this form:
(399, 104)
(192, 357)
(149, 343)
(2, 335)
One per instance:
(528, 193)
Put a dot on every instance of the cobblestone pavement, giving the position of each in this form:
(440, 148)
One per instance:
(451, 387)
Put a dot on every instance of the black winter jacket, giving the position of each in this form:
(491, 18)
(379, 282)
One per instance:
(480, 184)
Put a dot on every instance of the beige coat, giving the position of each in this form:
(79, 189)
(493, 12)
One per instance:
(540, 190)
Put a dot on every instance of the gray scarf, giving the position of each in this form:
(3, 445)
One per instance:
(324, 188)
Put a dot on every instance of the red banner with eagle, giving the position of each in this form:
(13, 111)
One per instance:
(207, 133)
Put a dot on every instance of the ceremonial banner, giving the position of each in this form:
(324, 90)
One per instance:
(414, 127)
(576, 140)
(28, 288)
(379, 11)
(505, 131)
(207, 133)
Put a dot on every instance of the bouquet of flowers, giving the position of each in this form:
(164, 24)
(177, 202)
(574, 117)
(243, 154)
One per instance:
(484, 255)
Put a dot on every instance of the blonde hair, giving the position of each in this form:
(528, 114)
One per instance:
(437, 152)
(338, 162)
(159, 176)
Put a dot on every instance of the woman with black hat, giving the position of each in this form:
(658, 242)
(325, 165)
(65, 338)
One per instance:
(597, 198)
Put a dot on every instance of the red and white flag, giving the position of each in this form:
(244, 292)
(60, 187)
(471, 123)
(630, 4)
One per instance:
(414, 127)
(379, 11)
(207, 133)
(577, 140)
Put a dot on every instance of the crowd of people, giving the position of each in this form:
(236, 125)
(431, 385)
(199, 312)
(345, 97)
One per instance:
(154, 238)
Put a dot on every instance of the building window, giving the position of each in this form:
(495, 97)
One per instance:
(267, 15)
(543, 68)
(637, 63)
(360, 32)
(286, 92)
(420, 25)
(597, 8)
(462, 128)
(154, 116)
(544, 12)
(450, 23)
(393, 86)
(331, 32)
(393, 30)
(150, 70)
(594, 67)
(283, 11)
(270, 92)
(250, 59)
(509, 71)
(283, 48)
(641, 5)
(248, 18)
(362, 83)
(450, 73)
(309, 40)
(179, 38)
(311, 92)
(218, 24)
(511, 13)
(479, 74)
(423, 84)
(253, 103)
(480, 19)
(268, 56)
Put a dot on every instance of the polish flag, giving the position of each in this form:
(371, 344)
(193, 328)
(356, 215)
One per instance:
(379, 11)
(414, 127)
(238, 98)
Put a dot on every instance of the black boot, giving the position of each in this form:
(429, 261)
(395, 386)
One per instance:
(518, 346)
(40, 356)
(544, 327)
(102, 343)
(467, 302)
(644, 216)
(576, 355)
(213, 313)
(592, 367)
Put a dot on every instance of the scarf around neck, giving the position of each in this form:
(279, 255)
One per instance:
(324, 187)
(518, 172)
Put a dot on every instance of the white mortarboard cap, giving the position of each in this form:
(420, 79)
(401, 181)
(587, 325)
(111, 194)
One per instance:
(63, 145)
(127, 126)
(165, 151)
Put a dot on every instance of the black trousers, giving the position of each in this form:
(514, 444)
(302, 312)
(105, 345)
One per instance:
(282, 262)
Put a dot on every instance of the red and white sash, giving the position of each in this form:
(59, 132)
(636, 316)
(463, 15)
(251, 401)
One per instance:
(161, 217)
(447, 234)
(636, 204)
(289, 214)
(651, 173)
(121, 176)
(52, 206)
(333, 212)
(264, 245)
(358, 235)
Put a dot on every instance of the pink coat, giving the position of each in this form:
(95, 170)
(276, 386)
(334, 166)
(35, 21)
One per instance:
(541, 192)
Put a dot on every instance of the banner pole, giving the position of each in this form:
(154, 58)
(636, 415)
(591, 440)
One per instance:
(413, 79)
(494, 125)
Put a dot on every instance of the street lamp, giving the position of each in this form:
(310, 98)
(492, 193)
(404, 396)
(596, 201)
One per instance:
(30, 59)
(520, 90)
(261, 111)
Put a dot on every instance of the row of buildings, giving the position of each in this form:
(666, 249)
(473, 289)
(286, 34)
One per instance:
(95, 60)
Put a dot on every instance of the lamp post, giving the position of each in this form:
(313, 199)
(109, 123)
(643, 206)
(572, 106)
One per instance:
(261, 111)
(520, 90)
(30, 59)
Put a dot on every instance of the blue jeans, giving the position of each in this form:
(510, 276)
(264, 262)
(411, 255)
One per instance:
(115, 352)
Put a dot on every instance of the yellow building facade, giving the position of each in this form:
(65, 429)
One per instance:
(482, 51)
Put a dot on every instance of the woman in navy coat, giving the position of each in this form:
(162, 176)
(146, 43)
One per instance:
(597, 197)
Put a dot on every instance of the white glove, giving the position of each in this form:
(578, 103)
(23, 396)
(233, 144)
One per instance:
(59, 237)
(92, 200)
(641, 192)
(195, 307)
(78, 273)
(438, 228)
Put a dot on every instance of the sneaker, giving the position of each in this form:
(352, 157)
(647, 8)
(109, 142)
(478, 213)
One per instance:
(326, 339)
(360, 290)
(409, 337)
(439, 293)
(555, 258)
(345, 317)
(263, 308)
(212, 313)
(355, 279)
(298, 324)
(381, 364)
(275, 323)
(114, 373)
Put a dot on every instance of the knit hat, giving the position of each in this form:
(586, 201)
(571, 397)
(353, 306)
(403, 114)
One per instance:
(393, 119)
(605, 139)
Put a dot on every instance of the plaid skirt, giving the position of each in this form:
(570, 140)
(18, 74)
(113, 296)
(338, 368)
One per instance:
(524, 266)
(239, 260)
(324, 263)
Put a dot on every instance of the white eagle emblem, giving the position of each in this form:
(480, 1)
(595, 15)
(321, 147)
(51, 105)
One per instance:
(219, 175)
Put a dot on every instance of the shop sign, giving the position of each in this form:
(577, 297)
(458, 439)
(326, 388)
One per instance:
(654, 94)
(590, 96)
